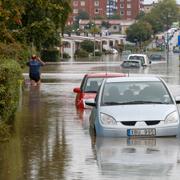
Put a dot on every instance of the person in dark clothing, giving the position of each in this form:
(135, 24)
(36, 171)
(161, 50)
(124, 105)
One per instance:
(34, 70)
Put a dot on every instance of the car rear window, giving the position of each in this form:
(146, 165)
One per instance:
(92, 84)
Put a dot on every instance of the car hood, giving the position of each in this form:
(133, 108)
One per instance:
(138, 112)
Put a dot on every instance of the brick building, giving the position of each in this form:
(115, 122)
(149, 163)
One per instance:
(126, 9)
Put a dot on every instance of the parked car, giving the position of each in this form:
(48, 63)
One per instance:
(111, 51)
(176, 49)
(89, 87)
(131, 64)
(142, 57)
(156, 57)
(134, 106)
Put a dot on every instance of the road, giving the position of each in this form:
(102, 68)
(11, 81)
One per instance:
(51, 141)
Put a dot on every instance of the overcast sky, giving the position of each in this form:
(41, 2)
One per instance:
(150, 1)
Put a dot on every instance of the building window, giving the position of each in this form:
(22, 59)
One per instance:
(121, 0)
(128, 0)
(75, 3)
(122, 13)
(129, 13)
(96, 11)
(96, 3)
(75, 11)
(121, 5)
(114, 27)
(82, 3)
(129, 6)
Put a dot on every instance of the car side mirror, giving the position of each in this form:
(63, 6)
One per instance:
(77, 90)
(177, 99)
(90, 102)
(149, 62)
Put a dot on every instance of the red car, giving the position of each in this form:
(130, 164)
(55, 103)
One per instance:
(89, 87)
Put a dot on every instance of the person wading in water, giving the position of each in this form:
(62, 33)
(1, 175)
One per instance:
(34, 70)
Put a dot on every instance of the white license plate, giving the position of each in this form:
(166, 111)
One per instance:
(141, 132)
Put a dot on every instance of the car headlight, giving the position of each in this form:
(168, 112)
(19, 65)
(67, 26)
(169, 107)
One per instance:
(107, 120)
(172, 118)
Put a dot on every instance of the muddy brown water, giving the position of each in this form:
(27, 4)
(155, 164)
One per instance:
(51, 141)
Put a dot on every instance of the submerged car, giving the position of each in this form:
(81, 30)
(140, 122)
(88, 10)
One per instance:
(131, 64)
(89, 87)
(134, 106)
(156, 57)
(176, 49)
(142, 57)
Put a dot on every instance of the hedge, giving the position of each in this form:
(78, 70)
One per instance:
(16, 51)
(10, 79)
(50, 55)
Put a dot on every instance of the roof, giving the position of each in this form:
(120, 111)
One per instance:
(137, 55)
(133, 79)
(108, 74)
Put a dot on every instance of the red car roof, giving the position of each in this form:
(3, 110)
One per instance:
(106, 75)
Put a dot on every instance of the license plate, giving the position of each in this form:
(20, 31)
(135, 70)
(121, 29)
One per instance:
(141, 132)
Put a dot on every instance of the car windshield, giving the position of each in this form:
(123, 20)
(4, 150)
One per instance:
(119, 93)
(136, 57)
(131, 64)
(92, 84)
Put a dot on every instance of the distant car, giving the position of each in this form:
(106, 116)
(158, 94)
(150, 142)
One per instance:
(134, 106)
(156, 57)
(111, 51)
(131, 64)
(89, 87)
(176, 49)
(114, 51)
(142, 57)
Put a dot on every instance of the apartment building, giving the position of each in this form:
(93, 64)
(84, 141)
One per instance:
(126, 9)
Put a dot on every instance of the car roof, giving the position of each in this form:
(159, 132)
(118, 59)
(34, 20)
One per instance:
(133, 60)
(105, 75)
(133, 79)
(143, 55)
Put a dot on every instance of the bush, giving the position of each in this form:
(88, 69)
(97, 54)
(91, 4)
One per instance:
(87, 45)
(50, 55)
(81, 53)
(10, 79)
(15, 51)
(66, 55)
(98, 53)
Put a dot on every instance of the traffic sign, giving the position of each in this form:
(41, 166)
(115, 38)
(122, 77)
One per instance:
(179, 40)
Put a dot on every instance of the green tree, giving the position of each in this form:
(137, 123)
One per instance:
(106, 24)
(162, 15)
(167, 11)
(10, 19)
(44, 19)
(139, 32)
(87, 45)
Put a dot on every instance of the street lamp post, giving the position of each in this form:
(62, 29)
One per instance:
(167, 47)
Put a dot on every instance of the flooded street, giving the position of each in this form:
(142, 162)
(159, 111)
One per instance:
(51, 138)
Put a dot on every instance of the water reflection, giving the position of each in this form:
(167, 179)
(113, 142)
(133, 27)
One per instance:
(135, 158)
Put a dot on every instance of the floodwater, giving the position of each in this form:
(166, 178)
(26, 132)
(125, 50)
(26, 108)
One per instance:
(51, 141)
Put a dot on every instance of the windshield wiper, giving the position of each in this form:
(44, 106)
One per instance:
(146, 102)
(113, 103)
(134, 102)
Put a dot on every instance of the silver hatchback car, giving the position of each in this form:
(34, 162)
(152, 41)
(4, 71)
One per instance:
(134, 106)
